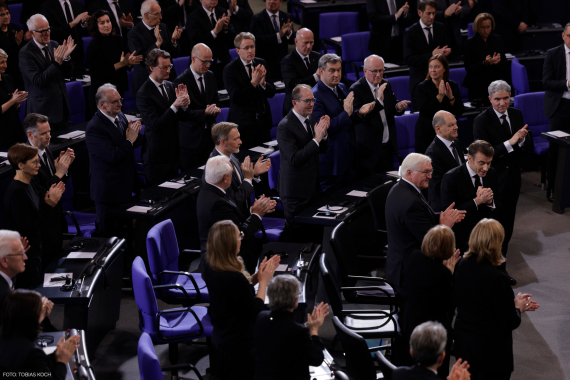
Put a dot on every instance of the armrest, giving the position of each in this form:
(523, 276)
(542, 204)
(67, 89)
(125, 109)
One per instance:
(189, 275)
(183, 366)
(178, 337)
(356, 69)
(193, 253)
(174, 286)
(356, 288)
(367, 278)
(74, 221)
(379, 348)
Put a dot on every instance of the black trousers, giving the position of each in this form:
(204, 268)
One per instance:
(295, 232)
(560, 120)
(194, 158)
(158, 173)
(236, 363)
(510, 193)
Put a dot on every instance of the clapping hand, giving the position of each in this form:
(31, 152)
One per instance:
(484, 195)
(257, 75)
(286, 28)
(126, 21)
(176, 34)
(65, 349)
(133, 130)
(261, 167)
(28, 35)
(321, 128)
(63, 162)
(53, 195)
(459, 371)
(18, 97)
(441, 91)
(263, 205)
(402, 105)
(448, 91)
(212, 110)
(266, 270)
(233, 6)
(381, 90)
(19, 36)
(316, 319)
(47, 307)
(458, 8)
(451, 216)
(452, 261)
(348, 103)
(25, 243)
(403, 11)
(69, 47)
(221, 24)
(366, 108)
(133, 59)
(247, 168)
(523, 302)
(182, 98)
(157, 36)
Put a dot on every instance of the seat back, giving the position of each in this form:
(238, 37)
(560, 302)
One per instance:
(355, 49)
(531, 105)
(385, 366)
(470, 31)
(406, 130)
(458, 75)
(222, 116)
(400, 88)
(86, 42)
(162, 248)
(341, 243)
(144, 297)
(233, 53)
(15, 13)
(76, 102)
(359, 363)
(149, 366)
(330, 287)
(377, 201)
(273, 173)
(181, 64)
(276, 104)
(519, 77)
(130, 100)
(336, 24)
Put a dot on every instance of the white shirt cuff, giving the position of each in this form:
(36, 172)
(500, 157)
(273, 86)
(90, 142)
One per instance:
(278, 38)
(173, 108)
(257, 179)
(476, 206)
(236, 11)
(213, 34)
(316, 142)
(508, 146)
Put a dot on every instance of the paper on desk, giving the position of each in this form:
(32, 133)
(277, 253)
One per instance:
(202, 167)
(3, 154)
(390, 65)
(279, 84)
(223, 92)
(271, 143)
(72, 135)
(49, 350)
(509, 56)
(261, 149)
(172, 185)
(468, 105)
(325, 209)
(558, 133)
(81, 255)
(48, 276)
(86, 79)
(141, 209)
(281, 268)
(337, 39)
(132, 117)
(357, 193)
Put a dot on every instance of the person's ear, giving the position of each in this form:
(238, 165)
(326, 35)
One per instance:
(441, 358)
(411, 353)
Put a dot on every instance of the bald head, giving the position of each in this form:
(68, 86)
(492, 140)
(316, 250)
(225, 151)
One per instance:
(304, 41)
(374, 69)
(445, 125)
(201, 58)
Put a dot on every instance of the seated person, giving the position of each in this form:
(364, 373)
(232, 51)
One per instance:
(12, 257)
(284, 349)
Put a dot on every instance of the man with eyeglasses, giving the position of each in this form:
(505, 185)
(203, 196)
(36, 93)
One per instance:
(375, 132)
(196, 140)
(12, 260)
(111, 140)
(44, 65)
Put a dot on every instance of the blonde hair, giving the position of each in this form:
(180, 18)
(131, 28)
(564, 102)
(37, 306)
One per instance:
(482, 17)
(222, 248)
(439, 242)
(486, 241)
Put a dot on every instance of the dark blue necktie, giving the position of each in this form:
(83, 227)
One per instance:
(275, 26)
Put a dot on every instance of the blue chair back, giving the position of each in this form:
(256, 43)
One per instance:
(162, 248)
(355, 50)
(458, 75)
(222, 116)
(149, 366)
(86, 42)
(76, 101)
(233, 53)
(15, 13)
(531, 105)
(276, 104)
(336, 24)
(181, 64)
(273, 173)
(470, 31)
(130, 102)
(400, 88)
(406, 130)
(144, 297)
(519, 77)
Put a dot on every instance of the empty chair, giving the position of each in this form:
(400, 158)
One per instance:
(400, 87)
(78, 223)
(163, 253)
(180, 64)
(276, 104)
(222, 116)
(519, 77)
(406, 129)
(76, 102)
(129, 101)
(385, 366)
(15, 13)
(336, 24)
(354, 51)
(86, 42)
(458, 76)
(377, 201)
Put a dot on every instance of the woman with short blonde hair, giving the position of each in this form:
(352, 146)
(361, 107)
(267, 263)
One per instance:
(486, 241)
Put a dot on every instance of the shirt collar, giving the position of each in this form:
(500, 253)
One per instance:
(272, 14)
(307, 56)
(500, 114)
(40, 46)
(147, 26)
(415, 187)
(301, 118)
(208, 12)
(425, 26)
(222, 190)
(245, 63)
(332, 88)
(109, 117)
(222, 154)
(566, 49)
(471, 172)
(372, 87)
(40, 151)
(156, 83)
(445, 141)
(196, 76)
(8, 279)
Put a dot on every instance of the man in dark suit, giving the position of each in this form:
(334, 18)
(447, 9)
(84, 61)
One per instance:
(210, 25)
(445, 152)
(454, 14)
(273, 31)
(196, 140)
(512, 20)
(214, 204)
(249, 84)
(240, 13)
(44, 65)
(388, 18)
(12, 261)
(67, 18)
(409, 217)
(162, 106)
(111, 141)
(504, 128)
(421, 41)
(556, 83)
(301, 66)
(472, 187)
(375, 132)
(148, 35)
(301, 140)
(176, 14)
(120, 13)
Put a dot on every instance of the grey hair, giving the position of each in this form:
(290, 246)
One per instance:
(145, 6)
(413, 162)
(3, 54)
(101, 95)
(296, 93)
(31, 122)
(373, 56)
(566, 26)
(439, 118)
(328, 58)
(428, 342)
(6, 237)
(31, 23)
(282, 292)
(498, 86)
(216, 168)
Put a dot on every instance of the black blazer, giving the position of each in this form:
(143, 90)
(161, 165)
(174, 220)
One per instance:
(191, 134)
(442, 161)
(417, 51)
(245, 100)
(9, 45)
(284, 349)
(23, 355)
(369, 129)
(554, 79)
(266, 40)
(408, 219)
(4, 290)
(125, 9)
(415, 372)
(457, 186)
(382, 22)
(296, 72)
(60, 28)
(479, 76)
(11, 131)
(485, 313)
(427, 103)
(242, 19)
(299, 170)
(47, 94)
(143, 41)
(508, 15)
(112, 165)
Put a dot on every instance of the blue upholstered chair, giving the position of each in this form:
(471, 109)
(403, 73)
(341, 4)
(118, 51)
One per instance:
(181, 64)
(354, 51)
(470, 31)
(222, 116)
(86, 42)
(400, 88)
(336, 24)
(15, 13)
(458, 75)
(406, 131)
(78, 223)
(129, 101)
(76, 102)
(519, 77)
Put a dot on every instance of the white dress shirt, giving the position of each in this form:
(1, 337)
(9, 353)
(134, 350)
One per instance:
(447, 144)
(566, 94)
(61, 2)
(278, 25)
(508, 120)
(425, 31)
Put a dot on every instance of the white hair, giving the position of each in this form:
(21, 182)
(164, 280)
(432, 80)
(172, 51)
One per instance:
(31, 23)
(101, 94)
(216, 168)
(499, 86)
(373, 56)
(6, 238)
(145, 6)
(413, 162)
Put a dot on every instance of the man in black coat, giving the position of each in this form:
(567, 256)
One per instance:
(240, 13)
(162, 106)
(388, 19)
(556, 84)
(301, 139)
(12, 261)
(512, 20)
(504, 128)
(445, 152)
(301, 66)
(210, 25)
(120, 13)
(421, 41)
(111, 141)
(473, 188)
(273, 31)
(249, 84)
(375, 132)
(148, 35)
(196, 140)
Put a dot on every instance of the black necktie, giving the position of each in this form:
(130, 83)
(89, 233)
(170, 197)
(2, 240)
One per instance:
(119, 15)
(119, 126)
(455, 154)
(163, 92)
(236, 170)
(275, 26)
(212, 20)
(68, 15)
(249, 70)
(202, 90)
(307, 63)
(46, 163)
(309, 129)
(430, 36)
(47, 54)
(477, 181)
(506, 125)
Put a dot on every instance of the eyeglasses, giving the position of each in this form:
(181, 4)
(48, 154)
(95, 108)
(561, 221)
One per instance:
(205, 62)
(247, 48)
(35, 162)
(43, 32)
(155, 14)
(426, 172)
(115, 102)
(5, 14)
(307, 101)
(166, 67)
(380, 71)
(15, 254)
(241, 235)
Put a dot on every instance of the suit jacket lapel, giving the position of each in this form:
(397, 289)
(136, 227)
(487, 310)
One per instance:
(109, 124)
(194, 86)
(447, 153)
(301, 62)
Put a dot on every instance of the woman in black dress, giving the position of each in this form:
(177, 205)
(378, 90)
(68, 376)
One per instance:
(234, 305)
(11, 131)
(435, 93)
(23, 207)
(484, 58)
(12, 39)
(487, 309)
(108, 56)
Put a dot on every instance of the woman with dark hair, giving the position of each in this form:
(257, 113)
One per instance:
(429, 278)
(22, 312)
(234, 305)
(435, 93)
(11, 131)
(23, 207)
(12, 39)
(487, 309)
(485, 59)
(108, 56)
